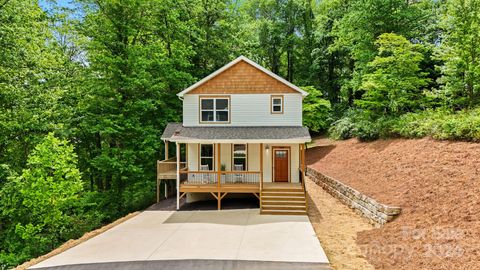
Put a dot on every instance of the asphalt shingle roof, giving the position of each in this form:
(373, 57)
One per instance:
(176, 131)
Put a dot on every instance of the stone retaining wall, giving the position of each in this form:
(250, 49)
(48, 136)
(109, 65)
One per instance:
(374, 211)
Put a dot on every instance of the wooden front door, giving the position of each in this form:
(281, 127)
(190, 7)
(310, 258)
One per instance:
(280, 164)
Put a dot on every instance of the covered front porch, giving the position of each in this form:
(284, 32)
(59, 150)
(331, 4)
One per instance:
(213, 168)
(205, 178)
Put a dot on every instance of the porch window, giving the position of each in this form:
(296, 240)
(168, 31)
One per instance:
(215, 110)
(206, 157)
(239, 157)
(277, 104)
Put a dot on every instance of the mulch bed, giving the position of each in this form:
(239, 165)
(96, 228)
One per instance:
(437, 184)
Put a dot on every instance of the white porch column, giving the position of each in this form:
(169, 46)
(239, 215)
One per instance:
(166, 149)
(178, 174)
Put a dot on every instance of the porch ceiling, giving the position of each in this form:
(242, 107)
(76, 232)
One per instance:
(176, 132)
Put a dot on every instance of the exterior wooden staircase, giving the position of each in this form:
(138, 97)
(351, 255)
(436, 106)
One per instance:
(283, 200)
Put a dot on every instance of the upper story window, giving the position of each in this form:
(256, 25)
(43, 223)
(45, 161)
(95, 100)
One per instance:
(215, 110)
(276, 103)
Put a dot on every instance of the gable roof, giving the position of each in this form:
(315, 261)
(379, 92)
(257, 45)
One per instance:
(250, 62)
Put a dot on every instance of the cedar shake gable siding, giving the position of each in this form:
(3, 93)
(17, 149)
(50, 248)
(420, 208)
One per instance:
(242, 78)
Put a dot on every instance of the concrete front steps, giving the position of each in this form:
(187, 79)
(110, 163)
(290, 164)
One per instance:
(283, 201)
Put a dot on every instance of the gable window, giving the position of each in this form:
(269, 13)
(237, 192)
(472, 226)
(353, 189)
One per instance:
(215, 110)
(239, 157)
(276, 103)
(206, 157)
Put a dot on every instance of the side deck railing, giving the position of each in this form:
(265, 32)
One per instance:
(167, 169)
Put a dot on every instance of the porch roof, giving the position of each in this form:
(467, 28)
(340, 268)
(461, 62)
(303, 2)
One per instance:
(176, 132)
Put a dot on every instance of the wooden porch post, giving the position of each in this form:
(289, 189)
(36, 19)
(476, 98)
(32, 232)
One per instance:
(219, 176)
(261, 172)
(178, 174)
(301, 157)
(261, 167)
(303, 174)
(304, 167)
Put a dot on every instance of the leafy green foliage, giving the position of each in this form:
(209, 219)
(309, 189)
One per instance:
(460, 50)
(316, 111)
(129, 89)
(283, 36)
(104, 76)
(343, 128)
(331, 66)
(393, 85)
(440, 124)
(365, 20)
(356, 123)
(40, 206)
(30, 81)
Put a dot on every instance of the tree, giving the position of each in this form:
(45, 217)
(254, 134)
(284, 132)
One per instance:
(365, 20)
(394, 81)
(460, 51)
(332, 66)
(31, 80)
(139, 56)
(218, 34)
(316, 111)
(38, 207)
(284, 35)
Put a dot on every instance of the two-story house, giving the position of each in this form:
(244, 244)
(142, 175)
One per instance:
(241, 133)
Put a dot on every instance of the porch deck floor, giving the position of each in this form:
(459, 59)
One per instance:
(238, 188)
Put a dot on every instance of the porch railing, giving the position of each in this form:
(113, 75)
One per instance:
(198, 177)
(226, 177)
(240, 177)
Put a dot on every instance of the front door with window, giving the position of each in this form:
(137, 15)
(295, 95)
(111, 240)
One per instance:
(281, 165)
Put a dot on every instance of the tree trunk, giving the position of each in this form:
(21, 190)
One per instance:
(289, 65)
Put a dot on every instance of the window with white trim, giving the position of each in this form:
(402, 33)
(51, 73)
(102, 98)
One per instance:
(206, 157)
(215, 110)
(239, 157)
(277, 104)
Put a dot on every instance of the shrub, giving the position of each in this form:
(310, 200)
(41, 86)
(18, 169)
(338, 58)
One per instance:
(355, 123)
(366, 130)
(439, 124)
(343, 128)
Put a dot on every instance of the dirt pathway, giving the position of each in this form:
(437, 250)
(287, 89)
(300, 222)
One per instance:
(336, 227)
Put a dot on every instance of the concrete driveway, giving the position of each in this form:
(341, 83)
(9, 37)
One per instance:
(227, 239)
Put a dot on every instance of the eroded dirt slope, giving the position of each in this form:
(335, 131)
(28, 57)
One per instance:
(437, 184)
